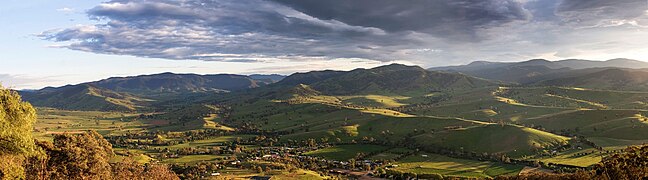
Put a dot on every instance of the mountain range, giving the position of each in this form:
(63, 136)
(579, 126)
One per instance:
(136, 92)
(537, 70)
(519, 109)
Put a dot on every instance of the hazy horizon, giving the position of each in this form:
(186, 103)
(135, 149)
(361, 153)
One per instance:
(285, 74)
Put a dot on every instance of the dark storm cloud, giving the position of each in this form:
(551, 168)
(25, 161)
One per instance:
(428, 32)
(602, 12)
(231, 30)
(208, 29)
(439, 17)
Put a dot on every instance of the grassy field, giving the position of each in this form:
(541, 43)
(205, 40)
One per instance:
(612, 143)
(427, 163)
(194, 159)
(573, 158)
(313, 119)
(513, 140)
(616, 124)
(218, 141)
(345, 152)
(374, 100)
(579, 98)
(54, 121)
(391, 154)
(244, 174)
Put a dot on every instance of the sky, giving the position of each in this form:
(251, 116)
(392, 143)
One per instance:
(59, 42)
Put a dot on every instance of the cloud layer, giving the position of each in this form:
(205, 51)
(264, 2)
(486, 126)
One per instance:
(427, 32)
(24, 81)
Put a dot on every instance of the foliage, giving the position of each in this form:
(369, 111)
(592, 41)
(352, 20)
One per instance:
(346, 152)
(69, 156)
(87, 156)
(16, 121)
(631, 164)
(78, 156)
(130, 169)
(16, 142)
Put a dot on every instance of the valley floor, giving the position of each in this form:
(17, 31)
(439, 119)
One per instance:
(497, 131)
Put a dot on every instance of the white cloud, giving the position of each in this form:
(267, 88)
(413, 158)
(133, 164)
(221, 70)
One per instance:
(66, 10)
(24, 81)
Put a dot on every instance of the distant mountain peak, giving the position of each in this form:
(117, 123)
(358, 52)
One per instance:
(536, 69)
(396, 66)
(480, 63)
(537, 61)
(623, 60)
(395, 78)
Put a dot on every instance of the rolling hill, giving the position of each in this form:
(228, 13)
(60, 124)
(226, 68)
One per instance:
(555, 116)
(535, 70)
(363, 103)
(170, 82)
(139, 92)
(84, 97)
(615, 124)
(609, 79)
(267, 78)
(392, 79)
(494, 138)
(309, 77)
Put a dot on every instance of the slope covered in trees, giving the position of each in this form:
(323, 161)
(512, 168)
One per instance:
(396, 79)
(85, 97)
(170, 82)
(536, 70)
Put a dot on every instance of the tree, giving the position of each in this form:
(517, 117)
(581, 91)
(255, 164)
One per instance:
(16, 142)
(631, 164)
(130, 169)
(69, 156)
(79, 156)
(16, 122)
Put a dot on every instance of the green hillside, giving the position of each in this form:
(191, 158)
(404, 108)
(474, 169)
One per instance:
(196, 116)
(615, 124)
(536, 70)
(178, 83)
(378, 109)
(397, 79)
(309, 77)
(316, 121)
(336, 108)
(609, 79)
(494, 138)
(85, 97)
